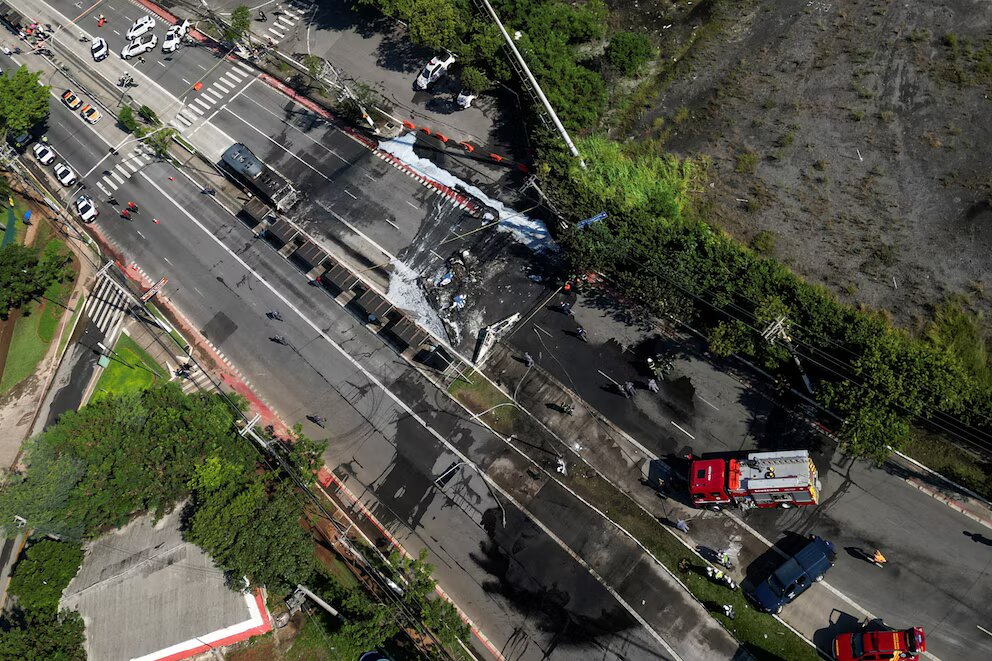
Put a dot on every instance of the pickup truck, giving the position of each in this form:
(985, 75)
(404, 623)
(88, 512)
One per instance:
(795, 575)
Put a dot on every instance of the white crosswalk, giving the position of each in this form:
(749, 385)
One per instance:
(210, 96)
(114, 176)
(288, 17)
(106, 305)
(198, 380)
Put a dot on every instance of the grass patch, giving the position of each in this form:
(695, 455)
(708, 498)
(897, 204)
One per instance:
(950, 461)
(761, 634)
(26, 348)
(55, 299)
(310, 644)
(72, 322)
(130, 370)
(173, 333)
(261, 648)
(747, 163)
(480, 395)
(962, 333)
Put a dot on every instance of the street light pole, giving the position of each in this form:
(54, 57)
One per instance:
(533, 81)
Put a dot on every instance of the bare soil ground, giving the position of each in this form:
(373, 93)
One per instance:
(849, 136)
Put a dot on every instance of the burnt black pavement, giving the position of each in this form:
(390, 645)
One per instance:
(705, 406)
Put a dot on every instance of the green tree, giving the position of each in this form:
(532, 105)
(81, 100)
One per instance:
(315, 70)
(49, 638)
(249, 524)
(160, 140)
(628, 51)
(24, 276)
(474, 80)
(304, 454)
(45, 571)
(23, 101)
(240, 24)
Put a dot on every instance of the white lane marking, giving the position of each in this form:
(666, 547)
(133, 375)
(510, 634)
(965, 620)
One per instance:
(206, 106)
(185, 81)
(353, 196)
(224, 86)
(117, 177)
(262, 133)
(105, 191)
(423, 423)
(282, 120)
(369, 177)
(231, 78)
(683, 431)
(706, 402)
(117, 33)
(279, 35)
(242, 91)
(212, 95)
(391, 223)
(413, 205)
(124, 173)
(166, 260)
(133, 165)
(112, 185)
(202, 67)
(194, 109)
(141, 235)
(283, 19)
(161, 64)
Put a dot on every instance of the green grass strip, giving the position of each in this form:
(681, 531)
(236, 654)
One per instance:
(131, 369)
(26, 348)
(72, 323)
(176, 336)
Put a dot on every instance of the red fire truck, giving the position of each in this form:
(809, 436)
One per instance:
(757, 479)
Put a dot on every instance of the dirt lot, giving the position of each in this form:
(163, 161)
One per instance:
(850, 137)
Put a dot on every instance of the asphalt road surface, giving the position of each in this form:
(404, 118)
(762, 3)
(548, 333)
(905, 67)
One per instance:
(937, 576)
(529, 596)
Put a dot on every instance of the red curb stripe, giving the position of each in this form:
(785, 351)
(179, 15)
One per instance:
(341, 488)
(230, 640)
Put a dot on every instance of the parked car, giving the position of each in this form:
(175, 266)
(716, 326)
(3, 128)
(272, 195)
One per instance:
(21, 140)
(86, 209)
(139, 46)
(140, 27)
(99, 49)
(71, 101)
(884, 645)
(172, 38)
(44, 153)
(465, 99)
(91, 114)
(795, 575)
(183, 28)
(65, 175)
(437, 67)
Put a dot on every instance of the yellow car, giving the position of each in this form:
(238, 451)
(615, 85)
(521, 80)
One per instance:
(91, 114)
(70, 99)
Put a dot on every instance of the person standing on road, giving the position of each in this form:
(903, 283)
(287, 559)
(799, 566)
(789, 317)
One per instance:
(653, 385)
(682, 525)
(529, 360)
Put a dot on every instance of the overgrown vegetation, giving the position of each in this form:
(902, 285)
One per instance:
(150, 131)
(654, 245)
(40, 630)
(23, 102)
(628, 52)
(239, 25)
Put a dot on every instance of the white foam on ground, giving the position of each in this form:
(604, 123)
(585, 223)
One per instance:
(405, 292)
(531, 232)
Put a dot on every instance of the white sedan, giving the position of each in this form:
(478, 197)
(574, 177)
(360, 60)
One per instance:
(99, 49)
(140, 27)
(436, 68)
(65, 175)
(139, 46)
(44, 153)
(86, 209)
(172, 38)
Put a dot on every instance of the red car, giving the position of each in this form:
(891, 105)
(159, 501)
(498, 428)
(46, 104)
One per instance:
(906, 645)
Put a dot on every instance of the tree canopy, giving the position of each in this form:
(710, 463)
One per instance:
(240, 24)
(23, 101)
(24, 274)
(41, 576)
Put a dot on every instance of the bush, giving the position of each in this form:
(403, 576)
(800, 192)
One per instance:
(126, 118)
(148, 115)
(747, 163)
(628, 51)
(474, 81)
(45, 571)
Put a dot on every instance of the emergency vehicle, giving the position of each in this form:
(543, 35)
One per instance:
(783, 479)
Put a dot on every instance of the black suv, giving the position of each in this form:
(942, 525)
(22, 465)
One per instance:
(795, 575)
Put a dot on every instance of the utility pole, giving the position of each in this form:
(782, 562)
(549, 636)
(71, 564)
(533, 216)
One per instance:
(533, 81)
(776, 331)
